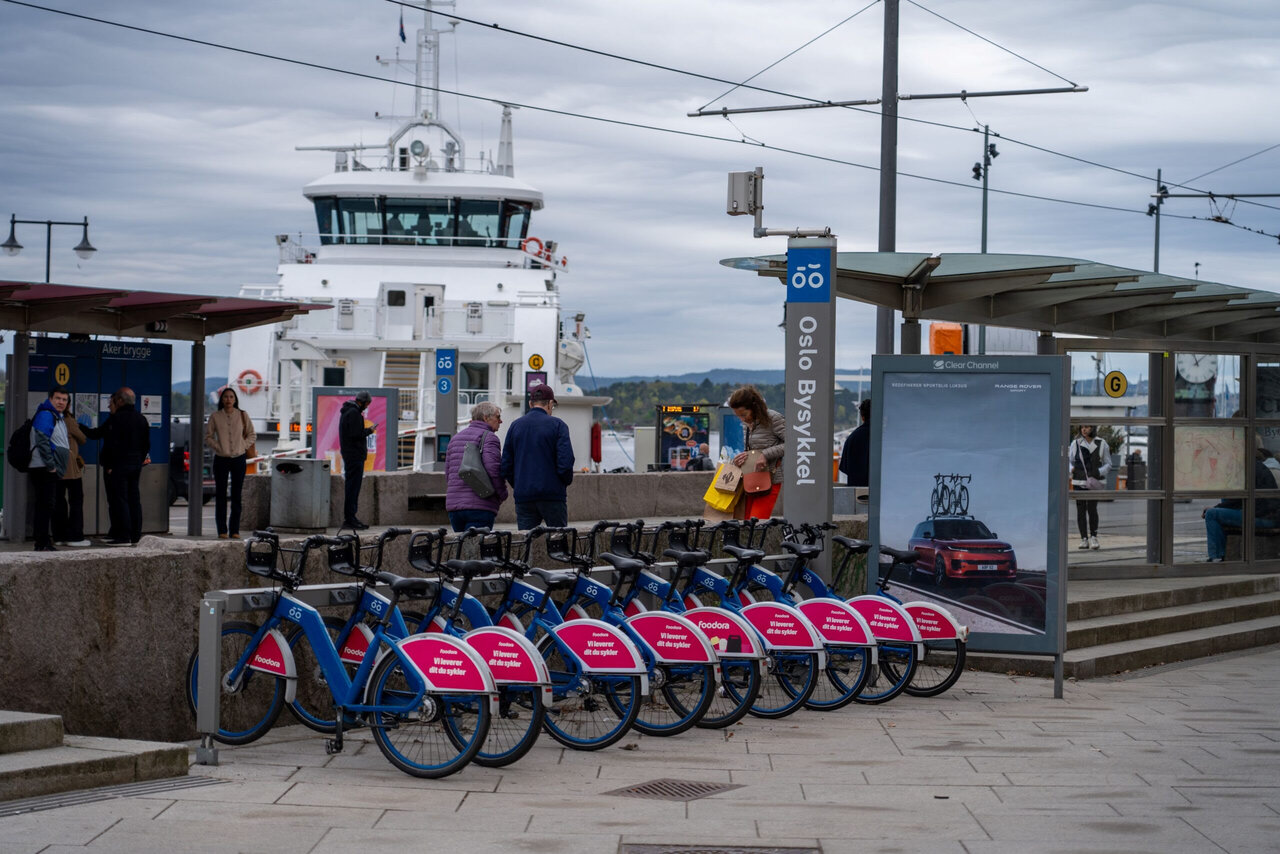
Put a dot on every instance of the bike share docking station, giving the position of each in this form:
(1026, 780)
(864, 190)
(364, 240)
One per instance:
(215, 605)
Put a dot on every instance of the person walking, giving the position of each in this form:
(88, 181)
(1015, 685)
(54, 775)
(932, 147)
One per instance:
(352, 436)
(68, 516)
(229, 432)
(766, 431)
(466, 507)
(855, 457)
(537, 461)
(49, 453)
(1090, 459)
(702, 460)
(126, 446)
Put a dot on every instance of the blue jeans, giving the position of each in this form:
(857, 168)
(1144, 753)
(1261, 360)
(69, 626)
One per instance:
(463, 519)
(1215, 518)
(530, 514)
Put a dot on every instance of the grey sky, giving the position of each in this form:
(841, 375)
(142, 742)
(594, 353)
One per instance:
(182, 156)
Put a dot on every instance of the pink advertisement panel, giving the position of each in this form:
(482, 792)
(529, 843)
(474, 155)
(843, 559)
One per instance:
(325, 434)
(672, 639)
(887, 619)
(509, 661)
(728, 634)
(273, 655)
(837, 622)
(933, 622)
(356, 646)
(446, 667)
(599, 646)
(782, 627)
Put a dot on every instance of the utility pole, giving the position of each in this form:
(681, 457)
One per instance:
(1153, 209)
(1162, 193)
(981, 172)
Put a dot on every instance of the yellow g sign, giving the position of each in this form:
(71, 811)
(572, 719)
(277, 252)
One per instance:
(535, 362)
(1115, 384)
(62, 373)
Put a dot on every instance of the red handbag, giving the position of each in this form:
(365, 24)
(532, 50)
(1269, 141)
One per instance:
(752, 480)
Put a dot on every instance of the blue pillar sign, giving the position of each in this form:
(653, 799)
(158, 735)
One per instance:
(810, 382)
(446, 399)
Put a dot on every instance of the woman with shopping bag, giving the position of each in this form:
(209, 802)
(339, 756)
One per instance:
(761, 463)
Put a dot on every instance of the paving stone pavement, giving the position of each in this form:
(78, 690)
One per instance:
(1177, 758)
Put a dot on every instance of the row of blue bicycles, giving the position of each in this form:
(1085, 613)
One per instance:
(475, 657)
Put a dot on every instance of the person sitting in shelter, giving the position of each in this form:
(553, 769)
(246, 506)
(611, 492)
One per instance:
(1229, 512)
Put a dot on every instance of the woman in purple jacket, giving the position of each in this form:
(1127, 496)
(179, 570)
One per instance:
(466, 508)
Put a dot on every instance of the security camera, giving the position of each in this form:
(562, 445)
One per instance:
(282, 239)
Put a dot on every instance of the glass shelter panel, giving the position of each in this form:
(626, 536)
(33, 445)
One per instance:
(1208, 458)
(1128, 531)
(1117, 381)
(1206, 385)
(1267, 403)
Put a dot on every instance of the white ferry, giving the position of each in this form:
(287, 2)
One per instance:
(419, 246)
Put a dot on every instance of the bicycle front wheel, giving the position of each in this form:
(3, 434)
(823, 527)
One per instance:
(739, 686)
(251, 706)
(938, 669)
(847, 671)
(787, 684)
(432, 735)
(313, 705)
(587, 712)
(514, 730)
(897, 665)
(680, 697)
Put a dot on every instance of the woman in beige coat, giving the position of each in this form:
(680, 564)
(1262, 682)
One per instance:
(229, 432)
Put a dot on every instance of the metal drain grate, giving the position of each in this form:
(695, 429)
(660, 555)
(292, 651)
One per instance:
(106, 793)
(712, 849)
(674, 790)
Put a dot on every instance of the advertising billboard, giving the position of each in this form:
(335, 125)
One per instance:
(681, 429)
(327, 404)
(968, 470)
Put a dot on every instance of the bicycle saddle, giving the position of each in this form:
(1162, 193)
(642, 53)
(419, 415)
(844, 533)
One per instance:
(469, 567)
(857, 546)
(400, 584)
(744, 554)
(802, 549)
(554, 577)
(695, 557)
(626, 566)
(900, 554)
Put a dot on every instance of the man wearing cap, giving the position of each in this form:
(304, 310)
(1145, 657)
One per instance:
(538, 463)
(351, 442)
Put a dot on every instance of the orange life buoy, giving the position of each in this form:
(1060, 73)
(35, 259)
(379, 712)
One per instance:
(249, 381)
(524, 244)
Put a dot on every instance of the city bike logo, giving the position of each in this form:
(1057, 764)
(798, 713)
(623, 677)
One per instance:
(950, 496)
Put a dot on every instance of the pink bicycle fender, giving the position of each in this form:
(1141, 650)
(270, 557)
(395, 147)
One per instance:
(448, 664)
(730, 635)
(576, 612)
(935, 622)
(356, 646)
(673, 639)
(838, 623)
(600, 647)
(512, 658)
(272, 656)
(887, 618)
(783, 627)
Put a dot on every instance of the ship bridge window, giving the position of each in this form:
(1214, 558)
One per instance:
(327, 221)
(361, 221)
(515, 223)
(420, 222)
(478, 223)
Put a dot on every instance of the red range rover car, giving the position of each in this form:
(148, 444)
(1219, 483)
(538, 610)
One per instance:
(961, 547)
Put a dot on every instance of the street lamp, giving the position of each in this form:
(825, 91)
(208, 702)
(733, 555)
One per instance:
(84, 249)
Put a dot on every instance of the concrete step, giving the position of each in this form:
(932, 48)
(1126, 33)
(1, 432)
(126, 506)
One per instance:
(1116, 628)
(1165, 593)
(84, 762)
(25, 731)
(1135, 654)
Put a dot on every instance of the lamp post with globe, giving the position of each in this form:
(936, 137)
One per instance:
(84, 248)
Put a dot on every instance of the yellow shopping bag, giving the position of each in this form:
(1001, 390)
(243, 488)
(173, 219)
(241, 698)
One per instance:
(719, 500)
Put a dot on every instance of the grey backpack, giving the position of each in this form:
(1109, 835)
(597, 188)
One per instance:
(472, 471)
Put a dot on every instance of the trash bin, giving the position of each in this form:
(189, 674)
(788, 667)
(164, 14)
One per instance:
(1137, 472)
(300, 495)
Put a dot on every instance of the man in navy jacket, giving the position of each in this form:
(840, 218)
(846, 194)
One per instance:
(538, 463)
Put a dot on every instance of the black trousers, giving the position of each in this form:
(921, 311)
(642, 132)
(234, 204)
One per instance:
(353, 474)
(1087, 518)
(224, 468)
(44, 488)
(124, 503)
(68, 514)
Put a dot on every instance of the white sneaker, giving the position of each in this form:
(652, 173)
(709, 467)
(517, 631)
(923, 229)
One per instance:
(77, 544)
(1093, 543)
(1084, 543)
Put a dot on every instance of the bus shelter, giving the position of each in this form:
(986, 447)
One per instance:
(1181, 376)
(66, 331)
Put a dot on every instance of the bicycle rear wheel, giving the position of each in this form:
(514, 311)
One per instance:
(847, 671)
(680, 701)
(435, 738)
(313, 705)
(788, 682)
(938, 669)
(587, 712)
(739, 686)
(514, 730)
(897, 664)
(249, 709)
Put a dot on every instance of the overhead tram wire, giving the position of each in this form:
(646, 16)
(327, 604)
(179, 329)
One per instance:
(566, 113)
(816, 101)
(1234, 162)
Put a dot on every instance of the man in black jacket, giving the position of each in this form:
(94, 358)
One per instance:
(126, 445)
(351, 442)
(855, 457)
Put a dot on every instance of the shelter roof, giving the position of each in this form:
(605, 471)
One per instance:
(77, 309)
(1048, 294)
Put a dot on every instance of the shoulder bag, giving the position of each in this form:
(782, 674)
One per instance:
(472, 471)
(753, 480)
